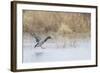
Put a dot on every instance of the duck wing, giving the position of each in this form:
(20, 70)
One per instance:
(37, 38)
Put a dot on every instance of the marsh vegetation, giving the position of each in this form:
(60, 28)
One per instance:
(70, 32)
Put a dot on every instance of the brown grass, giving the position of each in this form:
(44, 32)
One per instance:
(64, 24)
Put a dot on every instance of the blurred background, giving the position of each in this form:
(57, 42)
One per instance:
(57, 24)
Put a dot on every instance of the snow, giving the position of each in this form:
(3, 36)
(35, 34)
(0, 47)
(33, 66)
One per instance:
(59, 51)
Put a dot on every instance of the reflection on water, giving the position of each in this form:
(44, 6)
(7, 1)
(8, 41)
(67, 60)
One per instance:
(60, 51)
(38, 54)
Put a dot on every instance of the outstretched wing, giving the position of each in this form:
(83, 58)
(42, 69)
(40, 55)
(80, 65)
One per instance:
(49, 37)
(37, 38)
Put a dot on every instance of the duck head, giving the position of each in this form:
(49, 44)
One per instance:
(49, 37)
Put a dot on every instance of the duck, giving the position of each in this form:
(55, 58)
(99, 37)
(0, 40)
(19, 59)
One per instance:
(40, 42)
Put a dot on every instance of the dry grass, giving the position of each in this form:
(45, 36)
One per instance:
(57, 23)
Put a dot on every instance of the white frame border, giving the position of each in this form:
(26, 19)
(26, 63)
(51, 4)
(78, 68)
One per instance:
(20, 7)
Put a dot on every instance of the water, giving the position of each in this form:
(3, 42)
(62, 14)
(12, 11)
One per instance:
(67, 51)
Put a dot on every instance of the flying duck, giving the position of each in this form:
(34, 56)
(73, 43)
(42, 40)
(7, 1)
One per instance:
(40, 42)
